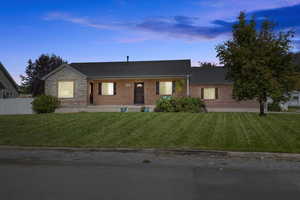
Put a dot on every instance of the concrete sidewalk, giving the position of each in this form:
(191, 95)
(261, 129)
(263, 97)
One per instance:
(192, 152)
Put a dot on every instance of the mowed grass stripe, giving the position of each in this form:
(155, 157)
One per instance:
(219, 131)
(279, 127)
(157, 133)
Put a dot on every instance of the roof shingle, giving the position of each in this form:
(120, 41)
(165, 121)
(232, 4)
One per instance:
(166, 68)
(209, 75)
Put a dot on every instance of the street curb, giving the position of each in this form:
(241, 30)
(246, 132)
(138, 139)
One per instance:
(193, 152)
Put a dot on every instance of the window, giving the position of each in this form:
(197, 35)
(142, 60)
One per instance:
(107, 88)
(65, 89)
(165, 88)
(295, 98)
(209, 93)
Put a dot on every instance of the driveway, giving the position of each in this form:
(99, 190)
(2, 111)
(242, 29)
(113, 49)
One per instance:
(48, 175)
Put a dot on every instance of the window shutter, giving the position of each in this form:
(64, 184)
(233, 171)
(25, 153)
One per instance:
(217, 92)
(115, 88)
(202, 93)
(157, 87)
(173, 87)
(99, 88)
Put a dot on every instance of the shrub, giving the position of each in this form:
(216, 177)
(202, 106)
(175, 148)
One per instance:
(274, 106)
(180, 104)
(165, 105)
(189, 104)
(45, 104)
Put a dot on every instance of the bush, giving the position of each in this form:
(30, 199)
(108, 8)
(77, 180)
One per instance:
(45, 104)
(274, 106)
(180, 104)
(165, 105)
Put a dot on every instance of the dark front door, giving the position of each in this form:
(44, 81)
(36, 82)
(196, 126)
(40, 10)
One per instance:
(91, 93)
(139, 93)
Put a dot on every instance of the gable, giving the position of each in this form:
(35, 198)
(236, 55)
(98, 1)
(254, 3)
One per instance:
(64, 71)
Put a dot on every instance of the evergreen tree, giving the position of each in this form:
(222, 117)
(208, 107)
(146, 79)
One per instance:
(31, 82)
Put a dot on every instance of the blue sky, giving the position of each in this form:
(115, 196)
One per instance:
(109, 30)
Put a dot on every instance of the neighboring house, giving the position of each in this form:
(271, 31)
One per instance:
(139, 82)
(8, 87)
(295, 99)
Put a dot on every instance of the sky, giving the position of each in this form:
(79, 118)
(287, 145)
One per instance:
(110, 30)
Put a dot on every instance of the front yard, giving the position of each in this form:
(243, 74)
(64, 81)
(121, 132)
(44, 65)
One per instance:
(217, 131)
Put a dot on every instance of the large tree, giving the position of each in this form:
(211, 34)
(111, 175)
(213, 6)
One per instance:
(258, 61)
(297, 60)
(31, 81)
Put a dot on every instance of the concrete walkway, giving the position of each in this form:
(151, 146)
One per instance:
(136, 108)
(103, 108)
(256, 110)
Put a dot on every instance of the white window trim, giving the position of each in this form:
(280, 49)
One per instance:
(209, 98)
(62, 96)
(171, 89)
(102, 89)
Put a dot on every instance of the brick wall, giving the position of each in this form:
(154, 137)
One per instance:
(80, 86)
(224, 100)
(125, 92)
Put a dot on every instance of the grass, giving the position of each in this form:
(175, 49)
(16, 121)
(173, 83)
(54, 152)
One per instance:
(293, 108)
(218, 131)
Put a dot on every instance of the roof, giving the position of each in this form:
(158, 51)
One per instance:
(10, 79)
(209, 75)
(163, 68)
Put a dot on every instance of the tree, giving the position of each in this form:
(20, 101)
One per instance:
(297, 60)
(259, 62)
(31, 82)
(207, 64)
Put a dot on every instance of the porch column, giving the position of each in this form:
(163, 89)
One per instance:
(188, 85)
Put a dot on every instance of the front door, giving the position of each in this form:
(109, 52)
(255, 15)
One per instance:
(91, 93)
(139, 93)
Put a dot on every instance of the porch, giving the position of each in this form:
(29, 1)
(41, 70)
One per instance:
(113, 93)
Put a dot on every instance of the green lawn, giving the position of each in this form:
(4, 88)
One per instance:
(218, 131)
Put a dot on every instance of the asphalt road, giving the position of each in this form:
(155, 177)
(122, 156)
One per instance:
(53, 175)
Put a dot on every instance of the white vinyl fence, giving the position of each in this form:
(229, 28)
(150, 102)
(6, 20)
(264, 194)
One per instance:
(16, 106)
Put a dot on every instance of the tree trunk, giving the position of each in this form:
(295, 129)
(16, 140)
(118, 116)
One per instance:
(262, 108)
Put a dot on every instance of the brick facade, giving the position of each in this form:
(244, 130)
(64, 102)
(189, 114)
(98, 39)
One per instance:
(80, 86)
(224, 100)
(125, 92)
